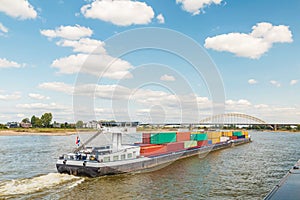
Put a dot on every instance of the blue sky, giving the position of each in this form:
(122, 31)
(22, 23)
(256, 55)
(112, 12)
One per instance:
(254, 45)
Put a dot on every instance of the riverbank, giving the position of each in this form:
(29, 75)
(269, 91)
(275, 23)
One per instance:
(43, 131)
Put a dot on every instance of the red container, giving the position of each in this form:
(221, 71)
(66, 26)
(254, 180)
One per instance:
(202, 143)
(183, 136)
(233, 137)
(152, 149)
(174, 146)
(146, 138)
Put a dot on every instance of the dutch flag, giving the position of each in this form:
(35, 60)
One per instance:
(77, 141)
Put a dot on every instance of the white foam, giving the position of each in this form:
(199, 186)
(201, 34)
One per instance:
(39, 183)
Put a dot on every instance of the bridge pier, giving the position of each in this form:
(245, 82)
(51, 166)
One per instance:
(275, 127)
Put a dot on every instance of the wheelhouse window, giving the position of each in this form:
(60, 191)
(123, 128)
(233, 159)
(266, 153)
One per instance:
(115, 158)
(123, 157)
(129, 155)
(106, 159)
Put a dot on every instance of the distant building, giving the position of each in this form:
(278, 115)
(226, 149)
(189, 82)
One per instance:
(12, 125)
(92, 124)
(25, 125)
(56, 125)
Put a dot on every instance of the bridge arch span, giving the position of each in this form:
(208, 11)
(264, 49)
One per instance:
(221, 118)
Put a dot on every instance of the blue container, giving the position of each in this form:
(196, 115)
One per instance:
(209, 141)
(242, 136)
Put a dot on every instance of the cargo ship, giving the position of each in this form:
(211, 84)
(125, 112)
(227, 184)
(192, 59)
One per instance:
(156, 150)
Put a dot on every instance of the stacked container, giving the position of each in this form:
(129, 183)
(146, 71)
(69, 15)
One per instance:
(152, 149)
(168, 142)
(182, 136)
(190, 144)
(174, 146)
(214, 137)
(198, 136)
(237, 133)
(161, 138)
(246, 134)
(227, 133)
(224, 139)
(146, 138)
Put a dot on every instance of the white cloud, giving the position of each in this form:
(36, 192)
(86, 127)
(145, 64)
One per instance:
(167, 78)
(20, 115)
(84, 45)
(252, 45)
(242, 103)
(3, 28)
(252, 81)
(4, 63)
(44, 106)
(57, 86)
(160, 18)
(38, 96)
(21, 9)
(196, 6)
(97, 65)
(68, 32)
(294, 82)
(275, 83)
(122, 13)
(261, 106)
(10, 97)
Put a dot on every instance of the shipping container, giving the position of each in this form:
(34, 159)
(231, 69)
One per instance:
(209, 142)
(189, 144)
(174, 146)
(242, 136)
(199, 137)
(214, 135)
(234, 137)
(183, 136)
(224, 139)
(215, 140)
(202, 143)
(146, 138)
(152, 150)
(246, 133)
(162, 138)
(237, 133)
(227, 133)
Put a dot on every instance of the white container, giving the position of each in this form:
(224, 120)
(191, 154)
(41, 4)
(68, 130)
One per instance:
(224, 139)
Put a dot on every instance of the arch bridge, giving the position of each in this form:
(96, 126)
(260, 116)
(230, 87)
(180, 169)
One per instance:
(232, 118)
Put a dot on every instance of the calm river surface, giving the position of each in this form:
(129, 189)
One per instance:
(27, 171)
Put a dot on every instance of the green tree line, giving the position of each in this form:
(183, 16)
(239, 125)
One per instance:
(36, 122)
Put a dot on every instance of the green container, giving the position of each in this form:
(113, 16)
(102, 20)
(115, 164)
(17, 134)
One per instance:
(161, 138)
(237, 133)
(199, 137)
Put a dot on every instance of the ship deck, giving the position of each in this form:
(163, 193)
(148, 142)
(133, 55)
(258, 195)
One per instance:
(288, 187)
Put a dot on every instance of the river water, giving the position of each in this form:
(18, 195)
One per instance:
(248, 171)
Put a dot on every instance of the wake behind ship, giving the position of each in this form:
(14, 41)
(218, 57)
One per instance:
(155, 151)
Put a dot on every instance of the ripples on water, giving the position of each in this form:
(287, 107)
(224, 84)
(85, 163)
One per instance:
(245, 172)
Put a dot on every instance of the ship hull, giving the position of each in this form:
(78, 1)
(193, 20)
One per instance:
(95, 169)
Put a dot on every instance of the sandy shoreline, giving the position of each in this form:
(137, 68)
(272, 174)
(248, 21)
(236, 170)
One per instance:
(17, 133)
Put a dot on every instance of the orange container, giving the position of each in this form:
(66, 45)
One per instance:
(152, 149)
(183, 136)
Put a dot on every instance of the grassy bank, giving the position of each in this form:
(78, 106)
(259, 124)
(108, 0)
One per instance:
(47, 130)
